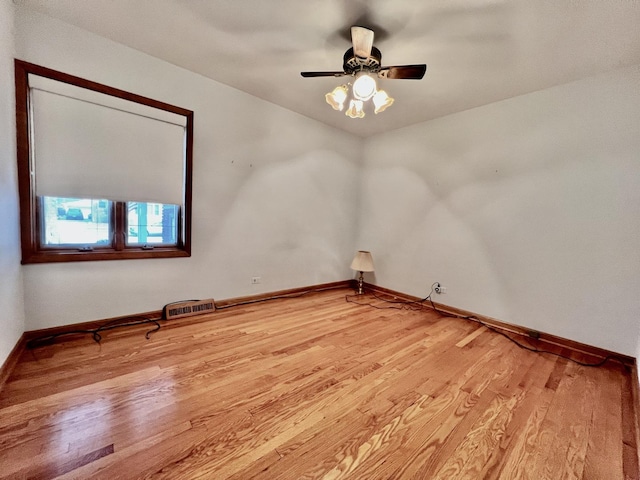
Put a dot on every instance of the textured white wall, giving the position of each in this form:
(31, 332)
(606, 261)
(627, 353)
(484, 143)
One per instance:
(274, 192)
(526, 209)
(11, 292)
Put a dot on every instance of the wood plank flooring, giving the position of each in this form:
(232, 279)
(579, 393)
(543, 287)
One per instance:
(313, 388)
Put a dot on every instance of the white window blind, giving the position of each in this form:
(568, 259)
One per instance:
(90, 145)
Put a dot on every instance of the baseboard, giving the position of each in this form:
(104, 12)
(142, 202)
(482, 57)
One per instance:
(515, 329)
(635, 395)
(12, 360)
(284, 293)
(93, 324)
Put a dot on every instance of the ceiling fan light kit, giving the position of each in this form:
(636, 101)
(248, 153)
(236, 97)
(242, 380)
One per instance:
(364, 87)
(337, 97)
(355, 110)
(381, 101)
(362, 61)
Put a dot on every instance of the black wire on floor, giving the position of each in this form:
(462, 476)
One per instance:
(95, 332)
(394, 304)
(420, 304)
(140, 320)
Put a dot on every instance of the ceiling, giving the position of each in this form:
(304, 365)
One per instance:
(477, 51)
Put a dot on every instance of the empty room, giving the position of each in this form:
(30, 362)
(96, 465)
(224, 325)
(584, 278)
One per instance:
(340, 239)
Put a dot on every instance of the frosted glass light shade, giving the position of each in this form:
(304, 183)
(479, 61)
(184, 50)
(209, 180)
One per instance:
(381, 101)
(355, 110)
(364, 87)
(337, 97)
(362, 262)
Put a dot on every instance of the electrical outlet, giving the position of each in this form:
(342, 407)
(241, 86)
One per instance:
(255, 280)
(533, 334)
(439, 288)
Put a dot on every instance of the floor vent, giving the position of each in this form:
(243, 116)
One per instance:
(188, 309)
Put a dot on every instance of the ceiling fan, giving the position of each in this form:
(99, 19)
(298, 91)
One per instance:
(364, 56)
(363, 61)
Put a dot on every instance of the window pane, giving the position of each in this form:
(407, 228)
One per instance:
(152, 223)
(75, 221)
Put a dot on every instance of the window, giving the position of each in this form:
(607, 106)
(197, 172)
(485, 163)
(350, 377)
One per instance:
(103, 174)
(151, 223)
(75, 222)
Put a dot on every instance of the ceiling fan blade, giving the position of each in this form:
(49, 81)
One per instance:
(410, 72)
(362, 39)
(322, 74)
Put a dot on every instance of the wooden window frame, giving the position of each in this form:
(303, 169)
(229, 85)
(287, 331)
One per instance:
(30, 223)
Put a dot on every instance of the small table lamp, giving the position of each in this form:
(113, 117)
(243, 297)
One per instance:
(362, 262)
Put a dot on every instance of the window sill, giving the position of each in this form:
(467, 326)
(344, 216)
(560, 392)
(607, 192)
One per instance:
(58, 256)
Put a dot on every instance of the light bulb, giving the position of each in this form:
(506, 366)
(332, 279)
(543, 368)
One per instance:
(364, 87)
(381, 101)
(337, 97)
(355, 109)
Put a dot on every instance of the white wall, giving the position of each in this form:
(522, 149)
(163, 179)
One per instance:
(11, 292)
(526, 209)
(274, 192)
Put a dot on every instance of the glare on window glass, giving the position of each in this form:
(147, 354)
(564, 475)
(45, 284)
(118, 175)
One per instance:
(149, 223)
(75, 221)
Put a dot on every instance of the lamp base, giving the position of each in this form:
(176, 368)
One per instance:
(360, 284)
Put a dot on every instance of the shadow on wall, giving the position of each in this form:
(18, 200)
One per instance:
(292, 221)
(524, 204)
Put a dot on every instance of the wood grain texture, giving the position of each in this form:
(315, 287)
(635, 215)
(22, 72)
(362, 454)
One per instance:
(635, 401)
(545, 341)
(12, 360)
(313, 387)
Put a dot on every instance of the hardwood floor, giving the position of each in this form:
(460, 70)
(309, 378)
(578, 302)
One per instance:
(313, 387)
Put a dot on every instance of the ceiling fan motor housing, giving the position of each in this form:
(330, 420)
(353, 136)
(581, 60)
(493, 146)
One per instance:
(352, 64)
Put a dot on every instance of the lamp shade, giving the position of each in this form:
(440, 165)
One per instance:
(364, 87)
(362, 262)
(337, 97)
(382, 101)
(355, 110)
